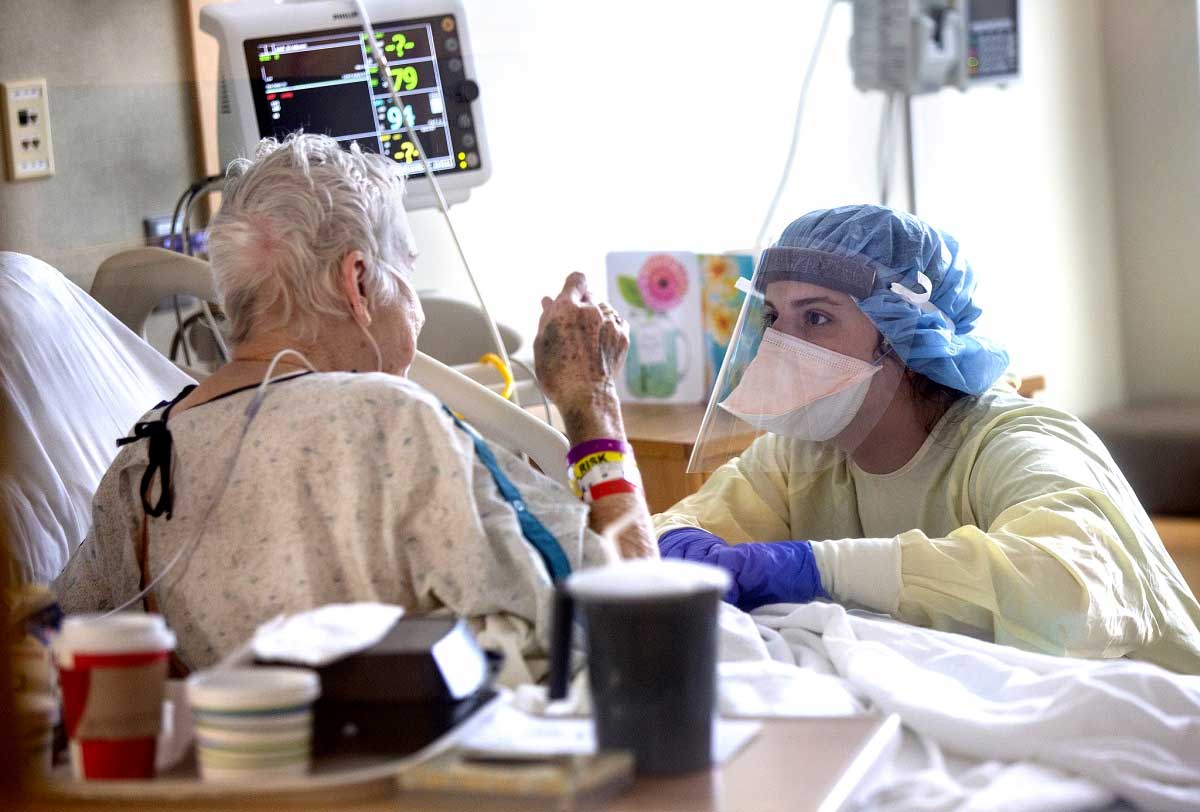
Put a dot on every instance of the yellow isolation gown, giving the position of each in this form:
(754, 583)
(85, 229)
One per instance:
(1011, 523)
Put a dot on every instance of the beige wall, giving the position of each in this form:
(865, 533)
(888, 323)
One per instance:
(121, 121)
(1152, 67)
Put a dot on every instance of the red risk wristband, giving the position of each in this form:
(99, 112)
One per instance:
(608, 488)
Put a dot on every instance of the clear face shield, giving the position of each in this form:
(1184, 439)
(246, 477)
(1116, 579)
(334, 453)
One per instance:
(776, 379)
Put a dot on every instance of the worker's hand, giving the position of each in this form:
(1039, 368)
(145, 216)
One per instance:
(578, 352)
(762, 572)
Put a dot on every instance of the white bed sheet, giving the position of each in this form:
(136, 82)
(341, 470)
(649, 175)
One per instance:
(988, 727)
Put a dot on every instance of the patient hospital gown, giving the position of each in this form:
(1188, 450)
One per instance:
(348, 487)
(1011, 523)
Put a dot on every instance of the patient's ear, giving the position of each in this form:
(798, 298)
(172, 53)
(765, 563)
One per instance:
(350, 273)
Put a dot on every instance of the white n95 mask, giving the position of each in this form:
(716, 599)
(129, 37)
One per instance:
(794, 388)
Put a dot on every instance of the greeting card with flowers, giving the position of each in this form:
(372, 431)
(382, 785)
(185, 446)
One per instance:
(721, 302)
(659, 294)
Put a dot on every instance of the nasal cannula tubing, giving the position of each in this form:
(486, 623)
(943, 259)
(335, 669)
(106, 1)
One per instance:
(251, 412)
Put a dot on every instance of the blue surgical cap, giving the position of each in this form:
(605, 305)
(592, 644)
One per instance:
(932, 338)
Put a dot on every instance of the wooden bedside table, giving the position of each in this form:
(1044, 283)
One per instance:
(663, 438)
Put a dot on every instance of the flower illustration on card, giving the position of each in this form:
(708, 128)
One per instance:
(657, 358)
(661, 284)
(721, 302)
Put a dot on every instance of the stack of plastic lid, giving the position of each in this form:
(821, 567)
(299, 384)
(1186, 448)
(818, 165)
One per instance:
(36, 716)
(253, 723)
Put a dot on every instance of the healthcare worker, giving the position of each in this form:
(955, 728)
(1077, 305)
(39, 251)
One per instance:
(898, 472)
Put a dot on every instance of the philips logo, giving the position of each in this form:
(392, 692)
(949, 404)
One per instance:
(345, 15)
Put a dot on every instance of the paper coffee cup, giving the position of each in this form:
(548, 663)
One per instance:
(112, 671)
(253, 723)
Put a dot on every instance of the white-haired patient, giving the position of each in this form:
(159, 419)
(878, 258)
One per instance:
(352, 483)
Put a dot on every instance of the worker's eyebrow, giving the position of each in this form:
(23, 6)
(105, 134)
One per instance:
(806, 301)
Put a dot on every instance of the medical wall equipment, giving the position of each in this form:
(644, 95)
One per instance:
(912, 47)
(906, 48)
(921, 46)
(308, 66)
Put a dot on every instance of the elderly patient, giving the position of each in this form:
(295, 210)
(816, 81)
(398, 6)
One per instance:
(352, 483)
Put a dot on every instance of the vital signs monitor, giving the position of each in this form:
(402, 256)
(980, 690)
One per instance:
(306, 65)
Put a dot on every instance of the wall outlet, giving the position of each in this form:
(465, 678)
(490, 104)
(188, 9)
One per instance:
(25, 113)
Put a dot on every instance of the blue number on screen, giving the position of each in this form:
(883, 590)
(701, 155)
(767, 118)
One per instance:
(394, 116)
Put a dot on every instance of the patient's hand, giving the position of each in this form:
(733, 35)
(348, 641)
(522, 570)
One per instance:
(579, 351)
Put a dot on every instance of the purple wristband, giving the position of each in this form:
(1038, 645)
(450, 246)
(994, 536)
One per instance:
(595, 447)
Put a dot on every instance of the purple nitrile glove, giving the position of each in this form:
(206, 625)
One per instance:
(763, 572)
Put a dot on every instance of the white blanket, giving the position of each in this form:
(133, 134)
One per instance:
(1020, 730)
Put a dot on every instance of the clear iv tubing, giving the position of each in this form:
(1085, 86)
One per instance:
(386, 78)
(884, 148)
(251, 412)
(787, 166)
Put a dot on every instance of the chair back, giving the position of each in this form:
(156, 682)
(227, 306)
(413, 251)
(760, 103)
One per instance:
(132, 283)
(455, 332)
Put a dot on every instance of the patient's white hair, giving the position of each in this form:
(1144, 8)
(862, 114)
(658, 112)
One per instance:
(288, 218)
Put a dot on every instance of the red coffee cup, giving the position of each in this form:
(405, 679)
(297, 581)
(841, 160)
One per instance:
(112, 671)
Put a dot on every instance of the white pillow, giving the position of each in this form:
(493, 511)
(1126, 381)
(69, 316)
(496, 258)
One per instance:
(72, 380)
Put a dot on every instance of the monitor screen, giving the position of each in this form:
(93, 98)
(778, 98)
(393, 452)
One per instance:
(327, 82)
(992, 40)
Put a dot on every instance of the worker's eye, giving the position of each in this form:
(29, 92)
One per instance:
(816, 318)
(769, 317)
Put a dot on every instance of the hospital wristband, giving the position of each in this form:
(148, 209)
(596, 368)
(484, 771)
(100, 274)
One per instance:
(591, 471)
(609, 474)
(608, 488)
(580, 469)
(597, 446)
(603, 472)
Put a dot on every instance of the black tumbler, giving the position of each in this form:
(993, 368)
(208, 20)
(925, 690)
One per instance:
(651, 635)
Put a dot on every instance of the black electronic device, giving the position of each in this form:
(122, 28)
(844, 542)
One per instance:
(993, 41)
(426, 675)
(287, 67)
(325, 81)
